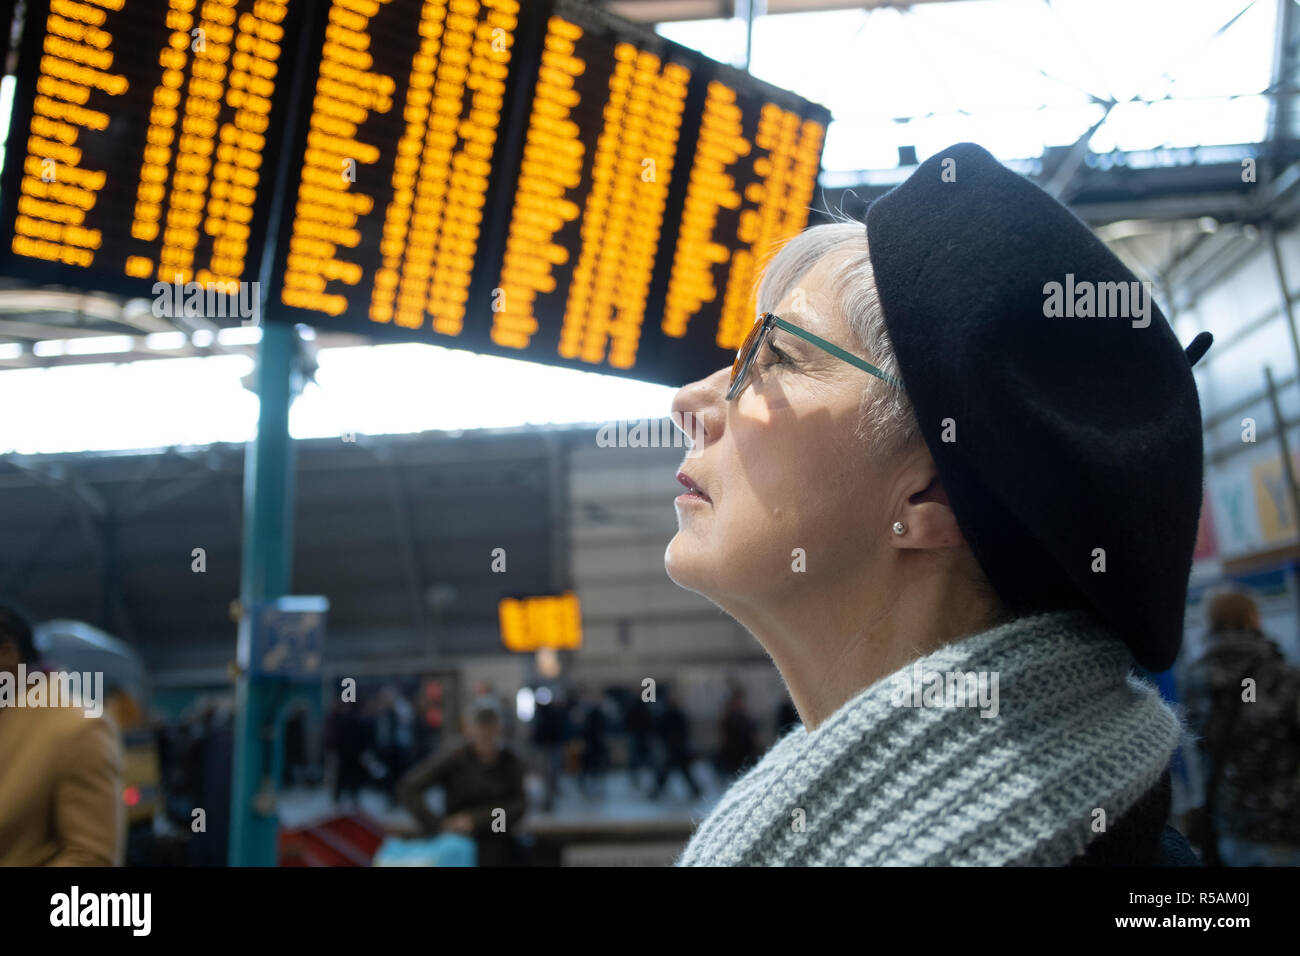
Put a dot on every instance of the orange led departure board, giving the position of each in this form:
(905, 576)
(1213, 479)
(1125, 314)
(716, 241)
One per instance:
(143, 141)
(590, 264)
(393, 185)
(530, 178)
(538, 180)
(751, 181)
(534, 622)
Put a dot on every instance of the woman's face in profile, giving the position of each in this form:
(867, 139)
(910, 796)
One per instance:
(781, 466)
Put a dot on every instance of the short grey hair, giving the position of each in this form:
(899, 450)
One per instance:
(886, 417)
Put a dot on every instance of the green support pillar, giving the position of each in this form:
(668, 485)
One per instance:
(266, 575)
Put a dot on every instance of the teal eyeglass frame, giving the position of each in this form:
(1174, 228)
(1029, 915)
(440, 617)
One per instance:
(753, 344)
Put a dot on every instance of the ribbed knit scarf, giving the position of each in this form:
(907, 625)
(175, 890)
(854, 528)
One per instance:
(904, 774)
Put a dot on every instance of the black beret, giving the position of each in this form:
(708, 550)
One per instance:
(1073, 460)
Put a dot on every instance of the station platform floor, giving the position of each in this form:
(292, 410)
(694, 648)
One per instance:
(619, 800)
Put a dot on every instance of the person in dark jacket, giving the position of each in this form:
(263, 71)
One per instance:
(595, 746)
(1243, 701)
(737, 729)
(348, 734)
(638, 719)
(483, 789)
(674, 731)
(551, 734)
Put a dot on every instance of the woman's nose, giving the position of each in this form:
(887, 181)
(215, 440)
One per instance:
(698, 408)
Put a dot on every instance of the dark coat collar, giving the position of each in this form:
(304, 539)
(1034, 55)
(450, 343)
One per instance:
(1142, 836)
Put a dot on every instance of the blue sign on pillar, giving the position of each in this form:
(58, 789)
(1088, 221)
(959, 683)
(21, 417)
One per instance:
(288, 637)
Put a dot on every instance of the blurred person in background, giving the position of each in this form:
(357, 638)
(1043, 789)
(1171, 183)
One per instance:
(737, 728)
(60, 773)
(427, 729)
(551, 732)
(674, 731)
(347, 735)
(639, 721)
(1249, 735)
(483, 789)
(211, 755)
(595, 746)
(786, 718)
(295, 747)
(403, 750)
(394, 736)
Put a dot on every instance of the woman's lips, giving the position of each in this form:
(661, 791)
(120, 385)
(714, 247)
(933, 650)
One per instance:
(693, 491)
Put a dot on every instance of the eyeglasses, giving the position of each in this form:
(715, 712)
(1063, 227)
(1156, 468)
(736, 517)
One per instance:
(763, 326)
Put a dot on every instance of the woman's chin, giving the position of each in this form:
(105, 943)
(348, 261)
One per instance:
(685, 565)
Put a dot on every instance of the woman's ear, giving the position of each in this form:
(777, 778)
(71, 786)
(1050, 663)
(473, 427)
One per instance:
(925, 519)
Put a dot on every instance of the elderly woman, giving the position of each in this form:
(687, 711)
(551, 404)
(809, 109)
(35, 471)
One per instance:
(955, 511)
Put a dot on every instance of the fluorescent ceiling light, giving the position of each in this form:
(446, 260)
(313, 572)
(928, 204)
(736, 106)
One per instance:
(240, 335)
(99, 345)
(164, 341)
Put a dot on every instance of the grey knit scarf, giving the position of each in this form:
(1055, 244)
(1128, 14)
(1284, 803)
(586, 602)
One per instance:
(939, 765)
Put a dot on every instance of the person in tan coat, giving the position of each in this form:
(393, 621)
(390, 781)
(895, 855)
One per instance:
(60, 774)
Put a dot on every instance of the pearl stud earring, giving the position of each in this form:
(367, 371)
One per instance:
(898, 527)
